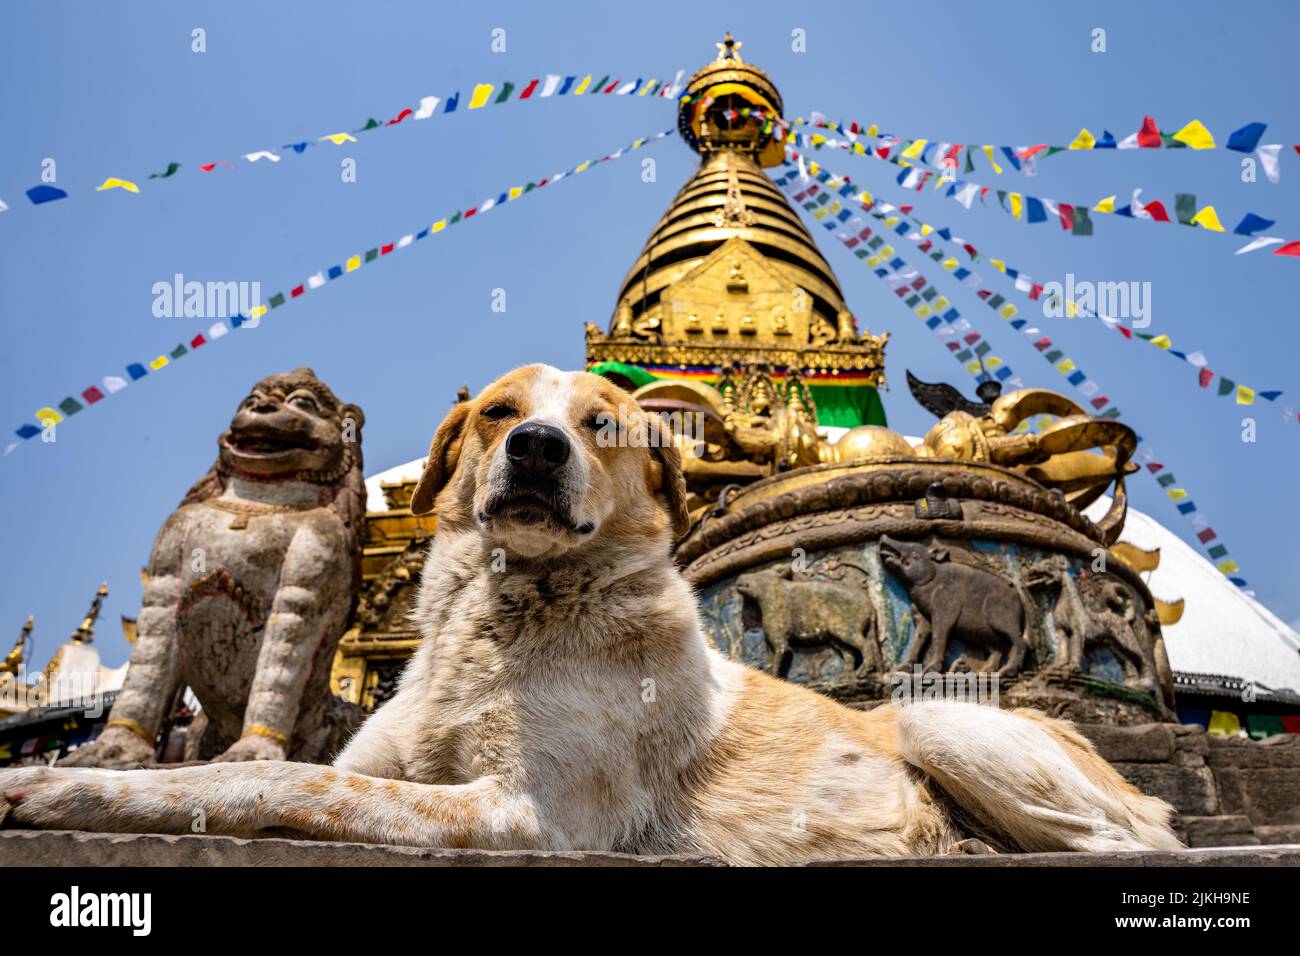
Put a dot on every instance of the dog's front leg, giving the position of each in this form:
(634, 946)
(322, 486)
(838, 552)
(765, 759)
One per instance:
(247, 800)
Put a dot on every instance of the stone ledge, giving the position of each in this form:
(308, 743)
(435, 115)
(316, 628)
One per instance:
(71, 848)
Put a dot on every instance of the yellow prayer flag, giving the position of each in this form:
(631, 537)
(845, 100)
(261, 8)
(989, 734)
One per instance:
(257, 311)
(1106, 205)
(48, 416)
(1084, 140)
(1162, 342)
(113, 183)
(481, 94)
(992, 362)
(1207, 218)
(1066, 366)
(886, 252)
(1177, 494)
(915, 150)
(892, 221)
(926, 229)
(866, 197)
(859, 149)
(998, 263)
(1224, 724)
(817, 140)
(1008, 311)
(582, 87)
(1195, 135)
(874, 261)
(338, 139)
(158, 363)
(438, 226)
(923, 311)
(582, 167)
(1245, 395)
(354, 263)
(1228, 567)
(1071, 309)
(515, 192)
(950, 264)
(874, 131)
(941, 303)
(988, 151)
(1017, 204)
(972, 367)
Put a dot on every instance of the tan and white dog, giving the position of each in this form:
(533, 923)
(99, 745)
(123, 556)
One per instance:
(564, 697)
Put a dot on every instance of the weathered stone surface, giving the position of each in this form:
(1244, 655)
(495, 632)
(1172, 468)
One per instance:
(1225, 830)
(1145, 743)
(1278, 834)
(1189, 790)
(1267, 796)
(1279, 752)
(72, 848)
(67, 848)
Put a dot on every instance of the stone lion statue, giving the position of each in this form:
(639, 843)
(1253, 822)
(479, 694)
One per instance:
(249, 588)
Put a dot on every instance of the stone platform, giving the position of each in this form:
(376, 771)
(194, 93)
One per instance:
(70, 848)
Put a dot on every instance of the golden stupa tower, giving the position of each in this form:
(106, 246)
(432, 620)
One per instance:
(730, 278)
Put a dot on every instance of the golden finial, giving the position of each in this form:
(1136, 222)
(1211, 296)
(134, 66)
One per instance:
(86, 632)
(729, 48)
(13, 661)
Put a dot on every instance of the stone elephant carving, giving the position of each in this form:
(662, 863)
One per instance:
(812, 613)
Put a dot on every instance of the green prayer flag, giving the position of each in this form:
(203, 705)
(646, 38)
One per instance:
(1262, 726)
(372, 255)
(178, 351)
(371, 123)
(276, 300)
(506, 89)
(1185, 207)
(1226, 386)
(970, 166)
(70, 406)
(169, 171)
(1082, 222)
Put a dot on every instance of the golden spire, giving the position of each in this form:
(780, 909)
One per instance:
(86, 632)
(730, 273)
(13, 662)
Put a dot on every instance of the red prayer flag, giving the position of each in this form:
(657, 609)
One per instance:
(1101, 401)
(92, 395)
(610, 88)
(1205, 376)
(1157, 211)
(400, 116)
(1149, 135)
(1067, 216)
(296, 291)
(1290, 249)
(197, 341)
(1206, 535)
(1154, 467)
(528, 90)
(385, 250)
(1032, 151)
(1125, 331)
(1035, 292)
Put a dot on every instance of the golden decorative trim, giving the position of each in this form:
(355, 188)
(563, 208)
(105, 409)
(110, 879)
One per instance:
(261, 730)
(132, 726)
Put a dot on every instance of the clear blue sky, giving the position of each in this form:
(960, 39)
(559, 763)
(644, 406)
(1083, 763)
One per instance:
(114, 90)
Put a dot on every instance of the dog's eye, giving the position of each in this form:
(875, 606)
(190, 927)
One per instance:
(596, 421)
(497, 412)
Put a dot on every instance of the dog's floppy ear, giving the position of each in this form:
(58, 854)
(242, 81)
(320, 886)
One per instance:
(444, 452)
(672, 483)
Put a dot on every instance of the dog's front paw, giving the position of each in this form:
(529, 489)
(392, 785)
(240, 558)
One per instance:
(52, 798)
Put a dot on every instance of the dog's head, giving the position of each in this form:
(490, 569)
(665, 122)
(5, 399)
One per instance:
(544, 461)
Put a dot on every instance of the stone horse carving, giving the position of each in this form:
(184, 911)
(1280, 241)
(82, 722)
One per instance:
(1097, 612)
(801, 615)
(249, 588)
(950, 599)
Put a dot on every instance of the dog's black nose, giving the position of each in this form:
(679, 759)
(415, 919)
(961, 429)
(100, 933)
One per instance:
(537, 449)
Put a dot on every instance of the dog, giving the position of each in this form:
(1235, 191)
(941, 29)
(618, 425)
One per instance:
(564, 697)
